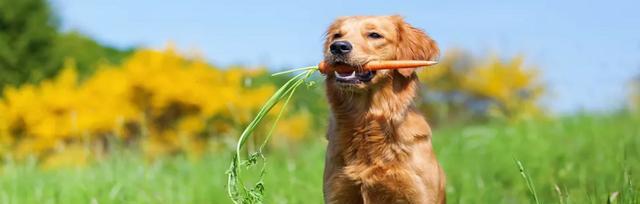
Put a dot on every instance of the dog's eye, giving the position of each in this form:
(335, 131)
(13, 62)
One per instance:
(337, 35)
(375, 35)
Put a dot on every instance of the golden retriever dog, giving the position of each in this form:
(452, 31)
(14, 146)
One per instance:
(379, 148)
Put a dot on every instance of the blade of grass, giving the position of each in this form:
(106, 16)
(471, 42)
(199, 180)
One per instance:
(559, 192)
(527, 179)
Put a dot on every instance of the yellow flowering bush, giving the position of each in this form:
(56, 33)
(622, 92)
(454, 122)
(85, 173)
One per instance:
(514, 90)
(296, 126)
(464, 87)
(159, 100)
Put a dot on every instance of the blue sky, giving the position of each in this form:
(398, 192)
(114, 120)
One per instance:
(588, 51)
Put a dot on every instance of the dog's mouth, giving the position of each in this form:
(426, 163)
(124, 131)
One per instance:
(353, 76)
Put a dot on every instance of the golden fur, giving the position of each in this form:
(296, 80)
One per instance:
(379, 147)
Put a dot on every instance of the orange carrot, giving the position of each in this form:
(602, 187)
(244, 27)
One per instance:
(377, 65)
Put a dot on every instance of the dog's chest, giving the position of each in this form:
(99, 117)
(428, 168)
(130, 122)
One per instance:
(371, 149)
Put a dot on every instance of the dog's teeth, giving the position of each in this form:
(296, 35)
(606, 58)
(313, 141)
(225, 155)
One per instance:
(345, 76)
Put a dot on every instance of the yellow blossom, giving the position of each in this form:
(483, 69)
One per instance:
(169, 98)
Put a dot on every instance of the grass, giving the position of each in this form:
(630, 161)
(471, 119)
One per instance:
(527, 179)
(577, 159)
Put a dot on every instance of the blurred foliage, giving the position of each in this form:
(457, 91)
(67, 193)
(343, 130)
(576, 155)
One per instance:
(163, 103)
(33, 49)
(27, 35)
(158, 101)
(67, 98)
(86, 52)
(634, 95)
(463, 88)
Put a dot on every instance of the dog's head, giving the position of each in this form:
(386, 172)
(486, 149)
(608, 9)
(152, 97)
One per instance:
(356, 40)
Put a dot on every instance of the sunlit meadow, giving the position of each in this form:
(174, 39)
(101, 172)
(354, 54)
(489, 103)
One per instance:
(82, 122)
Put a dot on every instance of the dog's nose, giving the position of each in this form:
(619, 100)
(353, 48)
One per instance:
(340, 47)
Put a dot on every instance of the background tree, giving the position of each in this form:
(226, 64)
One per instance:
(32, 48)
(27, 35)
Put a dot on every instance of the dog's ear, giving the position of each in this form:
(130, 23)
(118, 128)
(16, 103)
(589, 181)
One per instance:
(413, 44)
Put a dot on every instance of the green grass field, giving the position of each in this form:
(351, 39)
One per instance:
(577, 159)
